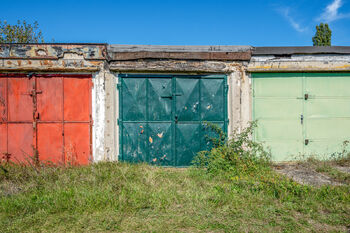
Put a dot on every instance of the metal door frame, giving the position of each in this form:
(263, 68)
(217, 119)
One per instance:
(173, 77)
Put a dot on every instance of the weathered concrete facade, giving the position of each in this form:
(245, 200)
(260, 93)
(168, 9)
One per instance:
(106, 62)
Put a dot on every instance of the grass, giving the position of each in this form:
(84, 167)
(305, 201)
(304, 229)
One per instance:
(119, 197)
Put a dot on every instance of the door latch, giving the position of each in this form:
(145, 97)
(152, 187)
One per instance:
(301, 118)
(306, 96)
(306, 142)
(176, 119)
(169, 96)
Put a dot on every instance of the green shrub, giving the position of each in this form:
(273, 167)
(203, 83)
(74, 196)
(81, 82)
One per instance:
(238, 155)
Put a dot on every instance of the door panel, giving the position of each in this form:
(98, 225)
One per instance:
(187, 143)
(20, 142)
(3, 100)
(327, 108)
(77, 143)
(212, 99)
(187, 99)
(135, 142)
(3, 141)
(134, 97)
(160, 144)
(50, 99)
(19, 99)
(50, 142)
(77, 99)
(278, 85)
(327, 85)
(322, 148)
(160, 99)
(278, 108)
(327, 111)
(282, 136)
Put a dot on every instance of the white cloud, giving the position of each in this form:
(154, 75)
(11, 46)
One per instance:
(331, 12)
(285, 12)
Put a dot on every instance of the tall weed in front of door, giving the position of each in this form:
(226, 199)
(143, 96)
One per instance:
(245, 163)
(236, 156)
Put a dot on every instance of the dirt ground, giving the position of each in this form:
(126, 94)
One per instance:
(306, 174)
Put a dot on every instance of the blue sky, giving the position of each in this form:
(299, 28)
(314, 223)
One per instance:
(181, 22)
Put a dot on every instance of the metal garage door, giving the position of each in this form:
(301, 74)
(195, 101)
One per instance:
(45, 117)
(302, 113)
(161, 117)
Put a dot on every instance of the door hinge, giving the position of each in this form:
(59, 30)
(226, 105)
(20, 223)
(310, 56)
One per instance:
(36, 116)
(6, 156)
(30, 75)
(119, 85)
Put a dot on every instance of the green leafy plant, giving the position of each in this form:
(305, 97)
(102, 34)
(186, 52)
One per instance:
(22, 32)
(237, 155)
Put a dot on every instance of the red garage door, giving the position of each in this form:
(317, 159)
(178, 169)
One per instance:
(46, 117)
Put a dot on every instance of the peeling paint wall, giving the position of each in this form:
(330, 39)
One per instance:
(98, 115)
(111, 136)
(51, 58)
(234, 101)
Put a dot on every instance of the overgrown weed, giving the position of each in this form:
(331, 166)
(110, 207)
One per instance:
(239, 155)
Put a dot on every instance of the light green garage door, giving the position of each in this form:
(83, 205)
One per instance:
(302, 113)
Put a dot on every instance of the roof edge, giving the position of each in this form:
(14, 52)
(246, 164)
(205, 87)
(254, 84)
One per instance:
(116, 48)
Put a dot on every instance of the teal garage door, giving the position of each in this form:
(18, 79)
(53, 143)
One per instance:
(162, 117)
(301, 114)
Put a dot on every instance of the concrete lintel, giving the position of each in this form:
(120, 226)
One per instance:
(182, 66)
(60, 65)
(289, 50)
(299, 66)
(52, 51)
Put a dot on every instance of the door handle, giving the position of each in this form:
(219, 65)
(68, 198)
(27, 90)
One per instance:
(170, 96)
(176, 119)
(306, 96)
(301, 119)
(306, 142)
